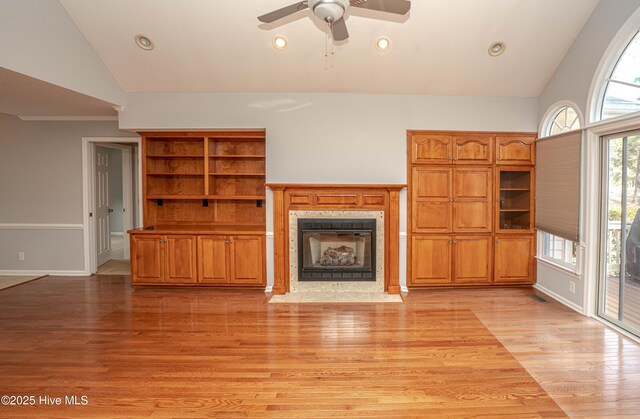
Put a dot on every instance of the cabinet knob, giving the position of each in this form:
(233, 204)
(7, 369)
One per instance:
(454, 242)
(455, 199)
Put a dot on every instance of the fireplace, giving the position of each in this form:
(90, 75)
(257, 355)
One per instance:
(333, 249)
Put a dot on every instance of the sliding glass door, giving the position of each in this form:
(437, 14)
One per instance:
(619, 285)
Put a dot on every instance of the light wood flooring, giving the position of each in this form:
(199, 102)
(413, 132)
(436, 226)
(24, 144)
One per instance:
(162, 352)
(117, 265)
(8, 281)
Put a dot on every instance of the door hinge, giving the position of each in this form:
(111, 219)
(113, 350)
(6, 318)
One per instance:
(90, 214)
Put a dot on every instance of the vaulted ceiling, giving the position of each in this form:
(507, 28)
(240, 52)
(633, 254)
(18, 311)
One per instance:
(439, 48)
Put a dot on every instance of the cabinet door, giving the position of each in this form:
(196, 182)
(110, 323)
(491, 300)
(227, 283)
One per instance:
(146, 259)
(213, 260)
(472, 203)
(430, 260)
(247, 260)
(515, 150)
(431, 149)
(431, 200)
(180, 259)
(472, 259)
(473, 149)
(514, 260)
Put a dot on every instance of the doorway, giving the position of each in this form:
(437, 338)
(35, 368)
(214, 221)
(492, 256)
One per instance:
(111, 186)
(619, 283)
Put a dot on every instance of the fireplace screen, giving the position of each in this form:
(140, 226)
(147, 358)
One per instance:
(336, 249)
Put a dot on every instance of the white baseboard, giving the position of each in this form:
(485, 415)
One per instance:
(269, 288)
(403, 288)
(559, 299)
(120, 233)
(42, 273)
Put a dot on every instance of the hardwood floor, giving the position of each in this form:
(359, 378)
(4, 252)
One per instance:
(174, 352)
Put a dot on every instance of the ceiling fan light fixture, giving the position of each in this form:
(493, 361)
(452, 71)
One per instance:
(144, 42)
(497, 48)
(329, 10)
(280, 42)
(383, 43)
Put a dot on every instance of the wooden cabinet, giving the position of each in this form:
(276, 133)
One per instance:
(157, 259)
(468, 192)
(431, 264)
(517, 150)
(432, 199)
(446, 148)
(213, 260)
(473, 149)
(472, 203)
(431, 149)
(204, 213)
(472, 259)
(231, 260)
(446, 200)
(514, 261)
(447, 260)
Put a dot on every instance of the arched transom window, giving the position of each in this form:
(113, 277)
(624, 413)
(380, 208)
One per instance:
(566, 119)
(622, 94)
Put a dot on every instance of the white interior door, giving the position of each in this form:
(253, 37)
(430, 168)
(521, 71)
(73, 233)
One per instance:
(102, 210)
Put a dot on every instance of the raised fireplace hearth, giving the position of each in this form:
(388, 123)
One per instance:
(336, 249)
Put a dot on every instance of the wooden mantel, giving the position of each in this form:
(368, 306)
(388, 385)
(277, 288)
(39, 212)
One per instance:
(330, 197)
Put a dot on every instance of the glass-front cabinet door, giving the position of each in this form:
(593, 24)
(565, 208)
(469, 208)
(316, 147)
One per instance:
(619, 284)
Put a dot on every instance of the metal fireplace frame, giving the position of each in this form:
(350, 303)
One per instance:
(333, 226)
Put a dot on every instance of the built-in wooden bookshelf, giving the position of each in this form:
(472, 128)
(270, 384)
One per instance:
(204, 213)
(205, 178)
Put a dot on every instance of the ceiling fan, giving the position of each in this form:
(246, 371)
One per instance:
(332, 12)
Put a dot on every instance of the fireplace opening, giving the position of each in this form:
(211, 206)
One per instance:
(331, 249)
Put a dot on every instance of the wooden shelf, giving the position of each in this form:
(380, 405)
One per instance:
(515, 189)
(175, 156)
(238, 174)
(236, 197)
(237, 156)
(515, 210)
(175, 174)
(163, 196)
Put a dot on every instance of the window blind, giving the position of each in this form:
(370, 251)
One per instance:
(558, 184)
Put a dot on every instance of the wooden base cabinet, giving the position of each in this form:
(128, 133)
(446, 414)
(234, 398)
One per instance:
(231, 260)
(450, 260)
(514, 261)
(159, 259)
(431, 261)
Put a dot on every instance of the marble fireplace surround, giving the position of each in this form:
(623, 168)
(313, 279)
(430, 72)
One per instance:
(353, 201)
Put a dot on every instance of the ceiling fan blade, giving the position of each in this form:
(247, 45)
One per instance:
(284, 12)
(398, 7)
(339, 30)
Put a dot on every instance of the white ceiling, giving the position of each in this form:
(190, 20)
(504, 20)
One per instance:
(25, 96)
(441, 49)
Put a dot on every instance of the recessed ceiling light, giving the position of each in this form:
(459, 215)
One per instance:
(144, 42)
(280, 42)
(383, 43)
(497, 48)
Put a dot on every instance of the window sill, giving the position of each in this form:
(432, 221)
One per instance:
(558, 267)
